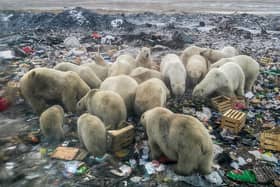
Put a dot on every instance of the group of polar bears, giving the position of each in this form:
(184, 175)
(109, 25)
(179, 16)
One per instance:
(110, 93)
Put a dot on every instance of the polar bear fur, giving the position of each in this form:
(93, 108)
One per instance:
(51, 122)
(181, 138)
(143, 59)
(227, 80)
(100, 70)
(190, 51)
(107, 105)
(42, 86)
(142, 74)
(173, 73)
(86, 74)
(250, 68)
(98, 59)
(196, 69)
(92, 134)
(150, 94)
(214, 55)
(125, 86)
(123, 66)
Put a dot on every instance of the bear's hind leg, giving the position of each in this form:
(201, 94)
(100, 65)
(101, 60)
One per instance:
(186, 164)
(206, 164)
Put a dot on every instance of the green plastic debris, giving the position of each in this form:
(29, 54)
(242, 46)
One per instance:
(82, 170)
(247, 176)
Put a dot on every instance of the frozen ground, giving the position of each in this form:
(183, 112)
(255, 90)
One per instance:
(221, 6)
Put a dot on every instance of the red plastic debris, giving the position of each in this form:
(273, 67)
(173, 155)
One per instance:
(239, 106)
(28, 50)
(96, 35)
(4, 104)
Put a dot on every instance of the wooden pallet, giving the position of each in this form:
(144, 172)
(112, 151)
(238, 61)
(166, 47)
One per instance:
(270, 139)
(221, 103)
(120, 139)
(233, 120)
(266, 60)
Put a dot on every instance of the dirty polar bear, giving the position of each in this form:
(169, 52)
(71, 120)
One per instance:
(92, 134)
(174, 73)
(249, 66)
(51, 122)
(181, 138)
(150, 94)
(123, 66)
(107, 105)
(196, 68)
(143, 59)
(42, 86)
(227, 80)
(86, 74)
(214, 55)
(125, 86)
(141, 74)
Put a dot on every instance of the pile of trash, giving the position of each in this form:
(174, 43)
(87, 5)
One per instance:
(250, 156)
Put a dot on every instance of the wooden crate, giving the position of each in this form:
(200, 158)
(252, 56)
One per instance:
(270, 139)
(233, 120)
(221, 103)
(120, 139)
(266, 60)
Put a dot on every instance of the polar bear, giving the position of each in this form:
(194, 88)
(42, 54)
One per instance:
(190, 51)
(141, 74)
(173, 73)
(123, 66)
(107, 105)
(86, 74)
(51, 122)
(41, 87)
(125, 86)
(214, 55)
(100, 70)
(181, 138)
(250, 67)
(227, 80)
(92, 134)
(98, 59)
(196, 69)
(143, 59)
(150, 94)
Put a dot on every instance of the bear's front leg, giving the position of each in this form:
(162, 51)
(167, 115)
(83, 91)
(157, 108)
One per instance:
(69, 101)
(155, 150)
(38, 104)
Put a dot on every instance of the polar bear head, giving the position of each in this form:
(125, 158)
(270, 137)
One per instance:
(82, 104)
(213, 81)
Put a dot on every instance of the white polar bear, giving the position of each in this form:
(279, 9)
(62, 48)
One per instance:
(214, 55)
(174, 73)
(196, 68)
(123, 66)
(250, 68)
(142, 74)
(227, 80)
(125, 86)
(150, 94)
(144, 59)
(190, 51)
